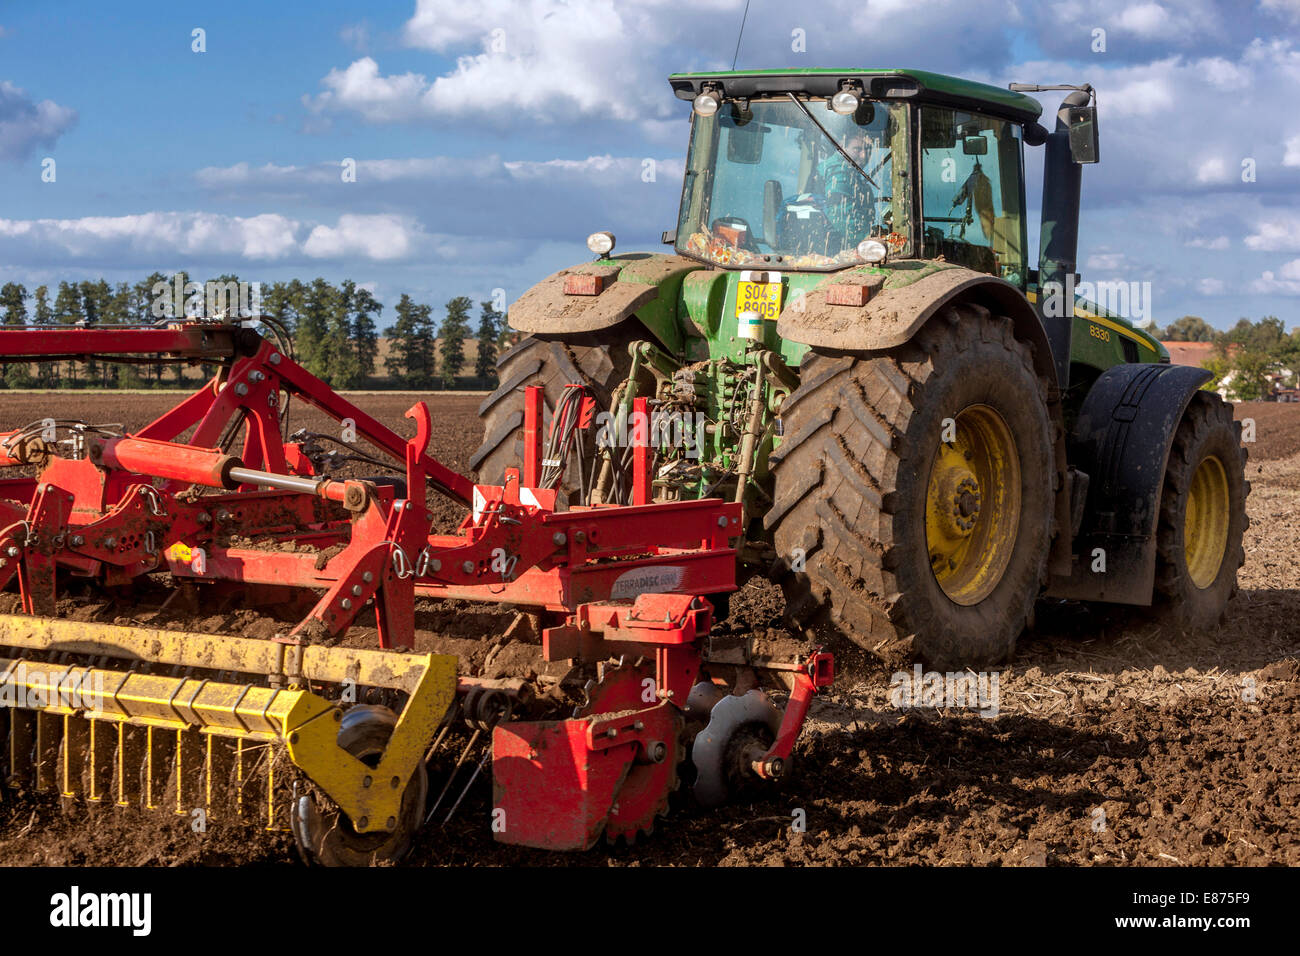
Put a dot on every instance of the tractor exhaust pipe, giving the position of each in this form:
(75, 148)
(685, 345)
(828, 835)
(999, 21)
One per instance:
(1058, 249)
(1072, 143)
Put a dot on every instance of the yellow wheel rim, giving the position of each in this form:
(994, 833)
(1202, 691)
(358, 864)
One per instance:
(1205, 528)
(972, 508)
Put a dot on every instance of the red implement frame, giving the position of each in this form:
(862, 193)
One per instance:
(625, 579)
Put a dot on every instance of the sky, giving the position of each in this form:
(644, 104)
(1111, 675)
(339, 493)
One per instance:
(489, 139)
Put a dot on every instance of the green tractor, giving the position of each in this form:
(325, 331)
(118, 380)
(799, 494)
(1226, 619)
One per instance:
(928, 431)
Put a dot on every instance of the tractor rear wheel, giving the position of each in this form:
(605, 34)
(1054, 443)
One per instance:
(1202, 516)
(913, 493)
(598, 360)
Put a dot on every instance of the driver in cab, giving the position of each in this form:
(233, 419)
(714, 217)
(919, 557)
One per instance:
(850, 200)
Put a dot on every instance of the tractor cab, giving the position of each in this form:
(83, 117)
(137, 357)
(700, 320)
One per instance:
(822, 170)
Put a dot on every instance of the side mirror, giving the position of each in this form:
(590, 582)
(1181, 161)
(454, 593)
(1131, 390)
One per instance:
(1084, 144)
(974, 145)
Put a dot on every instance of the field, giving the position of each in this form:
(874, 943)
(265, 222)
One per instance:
(1116, 741)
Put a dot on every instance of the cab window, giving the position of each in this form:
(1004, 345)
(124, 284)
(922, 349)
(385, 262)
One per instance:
(971, 197)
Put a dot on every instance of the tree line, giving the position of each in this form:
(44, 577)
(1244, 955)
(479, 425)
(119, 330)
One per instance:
(334, 330)
(1255, 357)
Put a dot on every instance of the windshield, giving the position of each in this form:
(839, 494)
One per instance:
(766, 185)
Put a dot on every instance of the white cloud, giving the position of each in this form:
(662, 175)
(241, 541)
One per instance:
(1218, 243)
(357, 36)
(1210, 286)
(381, 237)
(25, 125)
(1168, 23)
(548, 60)
(1146, 20)
(156, 233)
(560, 62)
(1287, 8)
(1147, 143)
(271, 175)
(1107, 261)
(1292, 155)
(242, 173)
(471, 197)
(1212, 170)
(1223, 74)
(156, 237)
(1281, 233)
(1285, 281)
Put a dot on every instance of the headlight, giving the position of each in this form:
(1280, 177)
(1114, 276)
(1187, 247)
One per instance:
(845, 101)
(601, 243)
(706, 103)
(872, 250)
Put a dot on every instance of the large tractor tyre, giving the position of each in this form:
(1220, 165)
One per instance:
(598, 360)
(913, 493)
(1202, 516)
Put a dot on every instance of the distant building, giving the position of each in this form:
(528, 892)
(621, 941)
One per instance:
(1189, 353)
(1196, 354)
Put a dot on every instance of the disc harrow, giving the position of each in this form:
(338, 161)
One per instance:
(335, 744)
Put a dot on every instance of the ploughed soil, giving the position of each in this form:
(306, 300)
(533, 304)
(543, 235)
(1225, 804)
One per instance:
(1111, 739)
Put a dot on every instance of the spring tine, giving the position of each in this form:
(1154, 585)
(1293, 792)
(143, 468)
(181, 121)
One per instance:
(189, 772)
(49, 732)
(22, 741)
(452, 776)
(487, 755)
(73, 754)
(159, 746)
(128, 765)
(100, 751)
(220, 795)
(437, 741)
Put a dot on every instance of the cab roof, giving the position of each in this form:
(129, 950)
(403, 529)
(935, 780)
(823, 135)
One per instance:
(878, 84)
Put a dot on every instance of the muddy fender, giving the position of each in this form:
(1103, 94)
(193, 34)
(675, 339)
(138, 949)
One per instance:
(1121, 441)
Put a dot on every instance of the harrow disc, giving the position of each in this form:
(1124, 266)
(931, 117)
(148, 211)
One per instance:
(740, 730)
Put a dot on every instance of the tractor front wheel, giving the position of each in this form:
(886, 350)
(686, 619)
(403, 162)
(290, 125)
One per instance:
(913, 493)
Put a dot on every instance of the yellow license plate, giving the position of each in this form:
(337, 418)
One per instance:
(761, 297)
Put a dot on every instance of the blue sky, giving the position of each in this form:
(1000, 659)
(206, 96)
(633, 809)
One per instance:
(490, 139)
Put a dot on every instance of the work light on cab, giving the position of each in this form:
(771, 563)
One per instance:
(872, 250)
(846, 102)
(601, 243)
(706, 103)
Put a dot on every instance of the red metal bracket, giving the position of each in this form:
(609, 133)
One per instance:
(640, 437)
(818, 673)
(533, 395)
